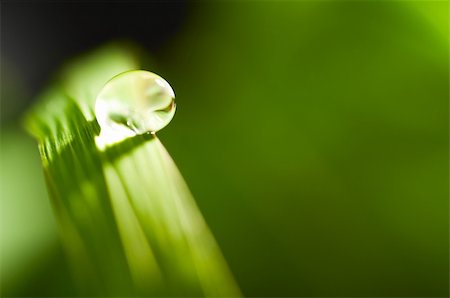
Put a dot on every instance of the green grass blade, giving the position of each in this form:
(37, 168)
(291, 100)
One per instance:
(128, 221)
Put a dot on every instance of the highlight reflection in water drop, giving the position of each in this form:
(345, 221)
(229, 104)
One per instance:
(132, 103)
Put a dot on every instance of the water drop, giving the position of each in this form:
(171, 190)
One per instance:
(132, 103)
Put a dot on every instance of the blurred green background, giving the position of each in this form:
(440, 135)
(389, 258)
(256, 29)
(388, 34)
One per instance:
(313, 135)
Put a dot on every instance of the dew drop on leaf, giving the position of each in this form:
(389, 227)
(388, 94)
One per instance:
(133, 103)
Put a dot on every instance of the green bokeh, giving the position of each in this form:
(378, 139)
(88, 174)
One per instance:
(315, 139)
